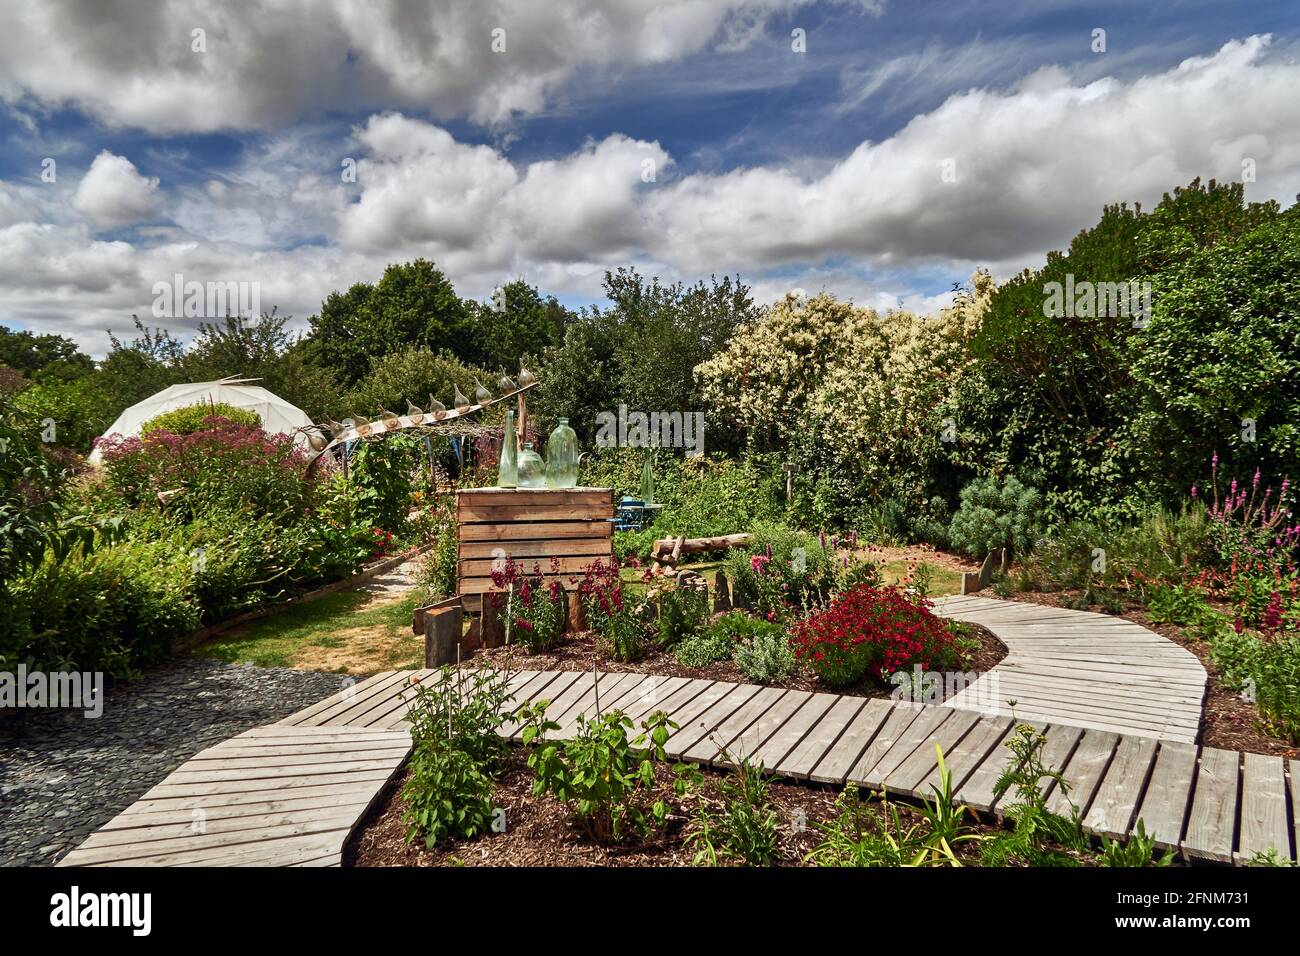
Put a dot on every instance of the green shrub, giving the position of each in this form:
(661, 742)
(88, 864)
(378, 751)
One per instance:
(706, 647)
(383, 477)
(779, 570)
(1267, 672)
(116, 610)
(456, 754)
(766, 656)
(195, 418)
(995, 514)
(604, 775)
(745, 829)
(679, 613)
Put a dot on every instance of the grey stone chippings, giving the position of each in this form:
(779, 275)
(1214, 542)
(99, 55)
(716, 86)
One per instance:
(62, 775)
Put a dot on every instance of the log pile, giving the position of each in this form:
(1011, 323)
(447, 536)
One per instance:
(667, 552)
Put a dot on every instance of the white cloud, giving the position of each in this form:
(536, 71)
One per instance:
(113, 193)
(270, 62)
(1035, 163)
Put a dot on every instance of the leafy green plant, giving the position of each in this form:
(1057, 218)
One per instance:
(679, 613)
(995, 514)
(456, 754)
(605, 776)
(1038, 836)
(194, 418)
(745, 829)
(866, 835)
(766, 655)
(711, 646)
(1138, 851)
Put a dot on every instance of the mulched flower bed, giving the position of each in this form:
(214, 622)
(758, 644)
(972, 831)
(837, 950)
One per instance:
(1227, 721)
(540, 832)
(582, 652)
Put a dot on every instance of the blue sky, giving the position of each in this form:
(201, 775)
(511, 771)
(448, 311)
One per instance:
(904, 146)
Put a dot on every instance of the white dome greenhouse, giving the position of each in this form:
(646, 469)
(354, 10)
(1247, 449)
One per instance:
(277, 415)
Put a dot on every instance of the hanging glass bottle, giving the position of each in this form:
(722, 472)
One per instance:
(532, 470)
(508, 472)
(562, 457)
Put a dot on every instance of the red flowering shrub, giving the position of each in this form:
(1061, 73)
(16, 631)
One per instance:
(383, 543)
(873, 632)
(536, 605)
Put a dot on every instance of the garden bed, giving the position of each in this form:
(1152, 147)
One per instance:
(585, 651)
(540, 832)
(1227, 721)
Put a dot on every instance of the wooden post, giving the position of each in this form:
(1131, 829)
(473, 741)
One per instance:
(492, 626)
(442, 629)
(721, 593)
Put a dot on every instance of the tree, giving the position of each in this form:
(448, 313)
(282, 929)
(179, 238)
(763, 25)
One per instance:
(516, 323)
(412, 304)
(263, 349)
(42, 357)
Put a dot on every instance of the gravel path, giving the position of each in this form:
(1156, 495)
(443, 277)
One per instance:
(62, 776)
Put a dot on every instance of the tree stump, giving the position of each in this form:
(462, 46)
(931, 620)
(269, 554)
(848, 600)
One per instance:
(442, 634)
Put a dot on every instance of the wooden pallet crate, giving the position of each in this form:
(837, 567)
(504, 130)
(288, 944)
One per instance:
(530, 525)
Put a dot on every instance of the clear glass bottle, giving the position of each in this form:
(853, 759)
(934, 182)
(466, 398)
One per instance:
(562, 457)
(532, 470)
(508, 470)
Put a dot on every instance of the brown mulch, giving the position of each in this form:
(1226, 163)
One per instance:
(582, 652)
(1227, 721)
(539, 831)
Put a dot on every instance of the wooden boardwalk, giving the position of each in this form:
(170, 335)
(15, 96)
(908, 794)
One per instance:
(1082, 669)
(290, 793)
(274, 796)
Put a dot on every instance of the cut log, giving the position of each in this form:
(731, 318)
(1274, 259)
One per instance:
(667, 552)
(442, 631)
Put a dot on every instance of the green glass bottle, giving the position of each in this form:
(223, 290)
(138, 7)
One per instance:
(532, 470)
(647, 482)
(562, 457)
(508, 472)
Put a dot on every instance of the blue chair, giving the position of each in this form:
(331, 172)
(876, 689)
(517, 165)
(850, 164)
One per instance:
(629, 515)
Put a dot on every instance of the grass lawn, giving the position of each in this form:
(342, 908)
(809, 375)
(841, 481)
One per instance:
(351, 632)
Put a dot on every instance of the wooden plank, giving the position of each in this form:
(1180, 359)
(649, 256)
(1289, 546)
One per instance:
(983, 740)
(537, 513)
(1169, 791)
(254, 824)
(148, 813)
(484, 585)
(896, 719)
(1114, 807)
(648, 691)
(561, 547)
(717, 742)
(671, 702)
(1084, 771)
(1213, 817)
(568, 565)
(525, 531)
(771, 723)
(532, 497)
(705, 722)
(1263, 808)
(883, 757)
(875, 718)
(912, 775)
(774, 749)
(977, 790)
(348, 697)
(803, 757)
